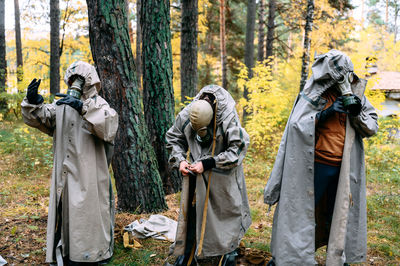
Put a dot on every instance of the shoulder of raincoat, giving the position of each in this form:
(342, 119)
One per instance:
(228, 213)
(81, 204)
(291, 182)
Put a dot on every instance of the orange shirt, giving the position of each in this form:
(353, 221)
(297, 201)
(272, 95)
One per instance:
(330, 135)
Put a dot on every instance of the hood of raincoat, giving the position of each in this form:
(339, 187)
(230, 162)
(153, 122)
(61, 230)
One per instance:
(88, 72)
(327, 70)
(225, 102)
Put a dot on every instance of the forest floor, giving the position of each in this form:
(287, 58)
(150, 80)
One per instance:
(25, 172)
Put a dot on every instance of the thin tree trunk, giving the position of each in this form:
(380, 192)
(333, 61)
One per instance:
(271, 29)
(139, 43)
(189, 49)
(396, 14)
(307, 43)
(222, 43)
(387, 14)
(249, 46)
(18, 44)
(261, 34)
(3, 62)
(158, 92)
(138, 182)
(54, 47)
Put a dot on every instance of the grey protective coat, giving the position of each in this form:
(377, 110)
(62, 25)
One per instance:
(228, 215)
(81, 196)
(291, 183)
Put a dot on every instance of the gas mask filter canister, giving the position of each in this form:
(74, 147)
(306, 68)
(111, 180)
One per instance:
(76, 87)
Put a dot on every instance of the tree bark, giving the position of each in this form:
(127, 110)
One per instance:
(249, 46)
(158, 92)
(261, 34)
(18, 44)
(189, 49)
(138, 182)
(3, 62)
(223, 44)
(139, 43)
(54, 47)
(271, 29)
(307, 43)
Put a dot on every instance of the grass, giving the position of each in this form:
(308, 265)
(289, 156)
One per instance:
(25, 172)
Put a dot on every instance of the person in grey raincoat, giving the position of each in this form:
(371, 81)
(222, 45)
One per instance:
(81, 207)
(318, 179)
(204, 161)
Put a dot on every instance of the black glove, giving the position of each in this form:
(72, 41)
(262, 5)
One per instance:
(32, 92)
(208, 163)
(336, 107)
(71, 101)
(355, 109)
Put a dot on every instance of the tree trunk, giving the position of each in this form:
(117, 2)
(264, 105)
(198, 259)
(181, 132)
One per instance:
(18, 44)
(189, 49)
(261, 35)
(138, 182)
(396, 14)
(139, 43)
(271, 29)
(3, 62)
(307, 43)
(158, 92)
(249, 46)
(128, 17)
(222, 43)
(54, 47)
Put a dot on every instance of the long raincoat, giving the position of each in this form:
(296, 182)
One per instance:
(291, 183)
(81, 206)
(228, 213)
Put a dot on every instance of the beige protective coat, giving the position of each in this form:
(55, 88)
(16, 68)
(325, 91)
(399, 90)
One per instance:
(228, 213)
(81, 196)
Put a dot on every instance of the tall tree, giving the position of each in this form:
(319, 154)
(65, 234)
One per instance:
(271, 29)
(3, 62)
(138, 182)
(261, 34)
(249, 45)
(18, 43)
(54, 47)
(222, 44)
(158, 93)
(139, 43)
(189, 49)
(307, 43)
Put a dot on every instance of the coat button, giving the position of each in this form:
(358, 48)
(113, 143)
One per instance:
(310, 169)
(311, 193)
(59, 190)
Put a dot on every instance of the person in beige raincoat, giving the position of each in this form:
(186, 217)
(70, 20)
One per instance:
(81, 209)
(190, 141)
(318, 179)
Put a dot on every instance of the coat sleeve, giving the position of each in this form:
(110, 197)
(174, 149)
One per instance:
(237, 143)
(366, 123)
(102, 119)
(41, 116)
(176, 142)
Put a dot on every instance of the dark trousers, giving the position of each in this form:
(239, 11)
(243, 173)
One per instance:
(326, 179)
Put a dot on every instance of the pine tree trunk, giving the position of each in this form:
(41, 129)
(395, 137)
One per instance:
(3, 62)
(261, 35)
(189, 49)
(139, 43)
(18, 43)
(54, 47)
(249, 46)
(307, 43)
(222, 43)
(138, 182)
(158, 92)
(271, 29)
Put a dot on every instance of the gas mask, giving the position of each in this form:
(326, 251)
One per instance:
(76, 88)
(350, 102)
(201, 114)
